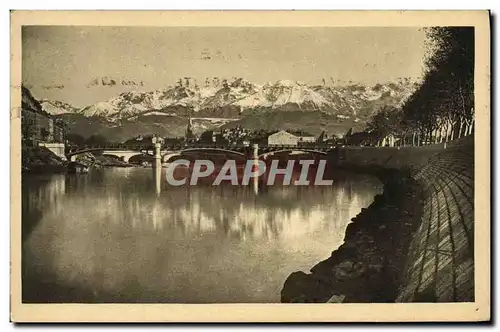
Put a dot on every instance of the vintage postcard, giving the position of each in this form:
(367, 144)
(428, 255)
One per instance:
(250, 166)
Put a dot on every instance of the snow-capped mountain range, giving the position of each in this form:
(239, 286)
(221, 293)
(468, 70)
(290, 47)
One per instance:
(56, 107)
(232, 98)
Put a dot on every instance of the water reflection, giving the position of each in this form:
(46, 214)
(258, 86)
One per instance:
(122, 235)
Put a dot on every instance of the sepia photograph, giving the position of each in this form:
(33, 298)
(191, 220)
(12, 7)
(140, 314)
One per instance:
(218, 161)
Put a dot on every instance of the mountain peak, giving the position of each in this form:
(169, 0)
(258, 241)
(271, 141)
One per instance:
(221, 97)
(288, 83)
(56, 107)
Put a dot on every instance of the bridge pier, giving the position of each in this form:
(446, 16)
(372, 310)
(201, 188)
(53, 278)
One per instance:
(157, 156)
(157, 179)
(255, 151)
(255, 157)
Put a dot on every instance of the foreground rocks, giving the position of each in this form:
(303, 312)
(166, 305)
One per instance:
(41, 160)
(369, 265)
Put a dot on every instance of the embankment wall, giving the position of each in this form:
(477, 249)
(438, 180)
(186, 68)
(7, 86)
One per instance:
(426, 250)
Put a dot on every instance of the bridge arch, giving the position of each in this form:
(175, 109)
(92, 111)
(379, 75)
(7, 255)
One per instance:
(166, 157)
(140, 158)
(71, 156)
(266, 154)
(123, 155)
(171, 154)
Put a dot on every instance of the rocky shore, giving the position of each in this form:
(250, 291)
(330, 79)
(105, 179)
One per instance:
(369, 266)
(40, 160)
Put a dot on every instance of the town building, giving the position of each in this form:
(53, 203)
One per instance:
(189, 131)
(282, 138)
(39, 128)
(303, 137)
(307, 138)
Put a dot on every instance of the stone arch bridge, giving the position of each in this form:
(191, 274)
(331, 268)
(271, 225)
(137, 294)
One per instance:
(124, 152)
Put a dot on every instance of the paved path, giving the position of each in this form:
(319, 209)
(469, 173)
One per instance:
(441, 256)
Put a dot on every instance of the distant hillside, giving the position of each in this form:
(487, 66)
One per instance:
(147, 125)
(312, 122)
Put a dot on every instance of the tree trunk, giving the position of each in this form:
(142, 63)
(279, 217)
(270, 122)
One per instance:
(460, 128)
(450, 129)
(463, 104)
(442, 133)
(413, 139)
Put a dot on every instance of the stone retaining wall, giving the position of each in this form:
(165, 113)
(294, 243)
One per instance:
(440, 266)
(437, 223)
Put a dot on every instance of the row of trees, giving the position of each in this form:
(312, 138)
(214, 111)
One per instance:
(442, 108)
(80, 141)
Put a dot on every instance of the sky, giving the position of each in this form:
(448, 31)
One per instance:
(72, 56)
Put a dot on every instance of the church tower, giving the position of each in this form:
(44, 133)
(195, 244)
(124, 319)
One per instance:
(189, 130)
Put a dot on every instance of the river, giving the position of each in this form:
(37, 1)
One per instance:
(116, 235)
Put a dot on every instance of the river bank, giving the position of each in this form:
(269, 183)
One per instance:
(369, 265)
(40, 160)
(414, 243)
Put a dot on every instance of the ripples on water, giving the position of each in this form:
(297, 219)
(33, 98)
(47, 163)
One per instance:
(108, 236)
